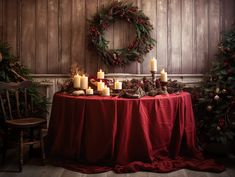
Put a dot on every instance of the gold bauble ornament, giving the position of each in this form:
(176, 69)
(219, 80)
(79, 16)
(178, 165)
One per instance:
(218, 128)
(224, 91)
(209, 108)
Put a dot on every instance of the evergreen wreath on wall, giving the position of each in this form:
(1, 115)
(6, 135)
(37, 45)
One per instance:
(107, 16)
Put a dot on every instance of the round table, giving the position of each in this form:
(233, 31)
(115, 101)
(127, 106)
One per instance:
(96, 134)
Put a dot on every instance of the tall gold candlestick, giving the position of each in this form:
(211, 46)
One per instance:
(153, 76)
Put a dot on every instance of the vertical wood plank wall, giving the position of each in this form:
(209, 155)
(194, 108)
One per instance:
(50, 35)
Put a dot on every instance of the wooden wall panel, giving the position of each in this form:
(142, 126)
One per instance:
(175, 36)
(1, 19)
(78, 31)
(129, 35)
(187, 36)
(228, 14)
(201, 26)
(150, 8)
(109, 35)
(91, 58)
(214, 29)
(65, 35)
(162, 31)
(118, 42)
(11, 24)
(50, 35)
(28, 36)
(41, 37)
(53, 37)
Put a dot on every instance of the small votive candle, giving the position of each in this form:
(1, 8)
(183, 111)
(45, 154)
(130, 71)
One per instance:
(84, 82)
(106, 91)
(89, 91)
(76, 81)
(118, 85)
(153, 64)
(100, 86)
(163, 76)
(100, 74)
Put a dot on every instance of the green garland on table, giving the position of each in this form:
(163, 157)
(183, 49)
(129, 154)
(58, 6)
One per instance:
(142, 44)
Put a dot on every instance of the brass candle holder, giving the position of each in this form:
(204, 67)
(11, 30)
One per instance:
(164, 87)
(153, 73)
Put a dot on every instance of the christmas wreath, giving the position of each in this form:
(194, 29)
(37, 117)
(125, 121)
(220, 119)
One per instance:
(142, 44)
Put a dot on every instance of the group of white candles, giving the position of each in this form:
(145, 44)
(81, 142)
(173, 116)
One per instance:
(102, 88)
(81, 82)
(153, 67)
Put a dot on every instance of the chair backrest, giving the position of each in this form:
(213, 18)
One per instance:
(14, 100)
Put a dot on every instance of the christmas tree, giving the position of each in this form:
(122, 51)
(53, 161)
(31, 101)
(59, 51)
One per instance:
(216, 104)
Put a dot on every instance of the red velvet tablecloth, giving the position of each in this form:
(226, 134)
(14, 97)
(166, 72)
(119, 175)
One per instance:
(94, 134)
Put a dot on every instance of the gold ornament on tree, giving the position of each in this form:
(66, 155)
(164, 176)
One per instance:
(209, 108)
(224, 91)
(217, 90)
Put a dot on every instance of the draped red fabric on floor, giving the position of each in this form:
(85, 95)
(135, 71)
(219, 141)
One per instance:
(94, 134)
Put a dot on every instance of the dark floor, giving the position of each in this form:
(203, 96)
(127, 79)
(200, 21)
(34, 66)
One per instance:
(34, 168)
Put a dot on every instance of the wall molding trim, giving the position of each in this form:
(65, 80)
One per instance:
(185, 78)
(52, 82)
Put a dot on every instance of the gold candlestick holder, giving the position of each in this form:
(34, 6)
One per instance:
(153, 73)
(164, 87)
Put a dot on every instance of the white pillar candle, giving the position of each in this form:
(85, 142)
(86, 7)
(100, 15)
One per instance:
(100, 74)
(106, 91)
(163, 76)
(153, 64)
(84, 82)
(100, 86)
(118, 85)
(89, 91)
(76, 81)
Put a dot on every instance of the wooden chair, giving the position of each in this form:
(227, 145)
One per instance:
(17, 107)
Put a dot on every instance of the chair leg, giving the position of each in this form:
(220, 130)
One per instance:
(4, 148)
(42, 147)
(21, 150)
(4, 152)
(31, 145)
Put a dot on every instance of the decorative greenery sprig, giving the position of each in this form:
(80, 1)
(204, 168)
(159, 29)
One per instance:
(12, 71)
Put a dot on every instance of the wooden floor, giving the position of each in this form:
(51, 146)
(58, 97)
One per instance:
(33, 168)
